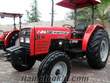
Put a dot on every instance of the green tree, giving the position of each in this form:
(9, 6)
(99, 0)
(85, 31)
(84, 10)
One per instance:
(102, 11)
(33, 14)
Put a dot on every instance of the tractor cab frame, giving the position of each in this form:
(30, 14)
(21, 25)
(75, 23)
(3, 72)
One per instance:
(14, 16)
(78, 5)
(82, 27)
(6, 36)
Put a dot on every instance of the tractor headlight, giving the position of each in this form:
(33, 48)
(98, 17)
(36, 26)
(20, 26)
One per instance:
(27, 40)
(24, 40)
(21, 39)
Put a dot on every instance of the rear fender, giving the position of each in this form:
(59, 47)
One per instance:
(9, 36)
(88, 33)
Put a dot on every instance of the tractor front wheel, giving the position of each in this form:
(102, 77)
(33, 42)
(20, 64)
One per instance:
(21, 61)
(55, 68)
(98, 49)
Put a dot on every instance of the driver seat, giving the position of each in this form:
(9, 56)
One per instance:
(80, 30)
(81, 27)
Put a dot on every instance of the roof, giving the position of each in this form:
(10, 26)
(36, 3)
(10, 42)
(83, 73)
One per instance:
(74, 4)
(4, 14)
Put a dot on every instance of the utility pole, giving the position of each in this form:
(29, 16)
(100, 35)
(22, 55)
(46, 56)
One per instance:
(35, 10)
(52, 13)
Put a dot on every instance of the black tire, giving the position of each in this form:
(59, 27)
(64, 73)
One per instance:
(94, 50)
(48, 63)
(21, 61)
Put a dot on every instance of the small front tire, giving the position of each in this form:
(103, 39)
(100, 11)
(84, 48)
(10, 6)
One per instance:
(21, 61)
(55, 68)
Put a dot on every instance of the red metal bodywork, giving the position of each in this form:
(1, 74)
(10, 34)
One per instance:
(2, 37)
(88, 34)
(41, 37)
(9, 36)
(74, 4)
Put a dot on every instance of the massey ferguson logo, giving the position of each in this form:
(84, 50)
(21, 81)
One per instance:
(51, 32)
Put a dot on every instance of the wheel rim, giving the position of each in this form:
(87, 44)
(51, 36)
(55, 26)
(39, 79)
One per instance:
(58, 72)
(104, 49)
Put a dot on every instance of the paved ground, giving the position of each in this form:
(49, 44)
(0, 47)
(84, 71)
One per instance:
(81, 73)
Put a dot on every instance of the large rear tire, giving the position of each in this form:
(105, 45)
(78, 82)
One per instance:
(98, 49)
(55, 68)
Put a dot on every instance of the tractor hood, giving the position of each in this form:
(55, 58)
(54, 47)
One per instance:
(52, 30)
(41, 37)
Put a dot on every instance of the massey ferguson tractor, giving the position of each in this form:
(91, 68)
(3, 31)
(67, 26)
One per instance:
(56, 46)
(9, 38)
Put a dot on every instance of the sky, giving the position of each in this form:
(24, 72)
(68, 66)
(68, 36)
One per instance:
(20, 6)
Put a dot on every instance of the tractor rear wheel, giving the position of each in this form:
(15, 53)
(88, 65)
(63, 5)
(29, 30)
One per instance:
(98, 49)
(55, 68)
(21, 61)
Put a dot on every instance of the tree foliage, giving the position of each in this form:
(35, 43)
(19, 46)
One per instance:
(33, 14)
(102, 10)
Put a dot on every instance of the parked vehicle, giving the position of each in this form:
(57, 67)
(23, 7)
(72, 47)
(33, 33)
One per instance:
(8, 38)
(56, 46)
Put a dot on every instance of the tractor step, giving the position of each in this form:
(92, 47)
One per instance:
(12, 49)
(76, 50)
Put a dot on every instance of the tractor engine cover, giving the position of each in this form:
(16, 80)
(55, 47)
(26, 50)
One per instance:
(41, 38)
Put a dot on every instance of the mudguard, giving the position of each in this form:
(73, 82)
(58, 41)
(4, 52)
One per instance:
(9, 36)
(90, 30)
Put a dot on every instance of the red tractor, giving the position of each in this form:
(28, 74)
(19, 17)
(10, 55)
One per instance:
(9, 38)
(56, 46)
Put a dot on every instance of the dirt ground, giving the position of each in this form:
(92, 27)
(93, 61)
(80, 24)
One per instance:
(81, 73)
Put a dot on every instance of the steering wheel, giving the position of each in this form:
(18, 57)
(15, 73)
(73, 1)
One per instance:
(68, 26)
